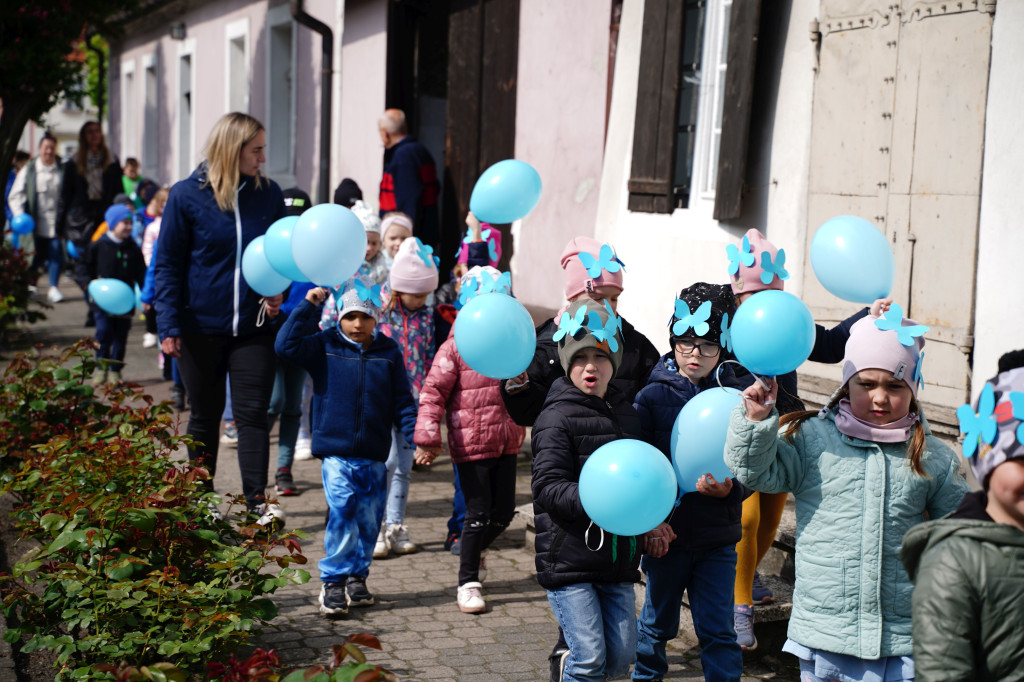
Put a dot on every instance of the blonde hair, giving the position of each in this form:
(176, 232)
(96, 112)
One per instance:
(82, 153)
(232, 132)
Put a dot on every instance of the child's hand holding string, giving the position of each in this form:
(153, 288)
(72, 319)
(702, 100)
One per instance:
(707, 485)
(880, 306)
(656, 541)
(317, 295)
(758, 401)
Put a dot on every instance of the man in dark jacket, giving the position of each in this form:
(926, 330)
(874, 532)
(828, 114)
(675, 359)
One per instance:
(410, 182)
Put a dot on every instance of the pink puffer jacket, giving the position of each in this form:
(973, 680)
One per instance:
(478, 425)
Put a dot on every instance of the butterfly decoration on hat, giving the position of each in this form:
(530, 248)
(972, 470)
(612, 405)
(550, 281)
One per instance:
(892, 320)
(366, 293)
(569, 325)
(697, 320)
(770, 270)
(725, 341)
(604, 331)
(426, 254)
(739, 256)
(606, 260)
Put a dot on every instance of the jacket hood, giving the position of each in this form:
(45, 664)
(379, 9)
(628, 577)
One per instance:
(923, 537)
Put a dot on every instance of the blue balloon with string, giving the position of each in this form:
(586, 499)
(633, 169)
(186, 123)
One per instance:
(112, 295)
(505, 192)
(259, 274)
(495, 335)
(698, 437)
(853, 259)
(627, 487)
(23, 223)
(772, 333)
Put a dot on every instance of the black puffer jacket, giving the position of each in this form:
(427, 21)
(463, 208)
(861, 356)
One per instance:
(638, 357)
(570, 428)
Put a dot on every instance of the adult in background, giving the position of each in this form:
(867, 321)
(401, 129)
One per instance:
(410, 182)
(36, 191)
(207, 315)
(91, 181)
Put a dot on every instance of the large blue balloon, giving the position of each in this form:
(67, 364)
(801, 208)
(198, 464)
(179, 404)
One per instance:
(259, 275)
(698, 437)
(22, 223)
(506, 191)
(852, 259)
(494, 334)
(112, 296)
(772, 333)
(278, 247)
(627, 487)
(328, 244)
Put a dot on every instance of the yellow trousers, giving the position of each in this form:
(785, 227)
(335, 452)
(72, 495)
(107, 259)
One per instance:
(761, 515)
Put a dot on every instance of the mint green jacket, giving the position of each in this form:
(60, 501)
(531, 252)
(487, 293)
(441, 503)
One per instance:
(855, 500)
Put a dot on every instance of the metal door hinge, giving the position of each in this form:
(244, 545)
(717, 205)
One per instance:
(926, 9)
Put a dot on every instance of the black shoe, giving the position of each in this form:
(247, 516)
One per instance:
(333, 602)
(557, 661)
(178, 397)
(356, 592)
(285, 483)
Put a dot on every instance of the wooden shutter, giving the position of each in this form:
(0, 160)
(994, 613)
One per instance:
(650, 183)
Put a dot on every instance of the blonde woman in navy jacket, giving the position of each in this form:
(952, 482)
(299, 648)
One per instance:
(207, 316)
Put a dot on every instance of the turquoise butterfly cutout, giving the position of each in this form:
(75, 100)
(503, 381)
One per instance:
(606, 260)
(918, 375)
(740, 256)
(725, 341)
(368, 293)
(893, 321)
(492, 249)
(1017, 402)
(698, 320)
(468, 291)
(426, 253)
(771, 270)
(613, 316)
(569, 326)
(603, 331)
(980, 426)
(500, 285)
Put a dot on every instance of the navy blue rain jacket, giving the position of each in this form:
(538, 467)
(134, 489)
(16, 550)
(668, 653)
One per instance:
(357, 394)
(199, 287)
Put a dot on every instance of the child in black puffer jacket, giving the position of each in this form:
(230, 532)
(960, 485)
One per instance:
(587, 573)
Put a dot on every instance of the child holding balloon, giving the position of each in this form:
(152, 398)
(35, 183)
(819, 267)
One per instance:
(409, 320)
(702, 559)
(863, 470)
(588, 574)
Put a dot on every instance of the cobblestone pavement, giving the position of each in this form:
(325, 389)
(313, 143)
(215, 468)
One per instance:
(424, 635)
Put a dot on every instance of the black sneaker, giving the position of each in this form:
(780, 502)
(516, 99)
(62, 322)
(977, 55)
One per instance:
(285, 483)
(356, 592)
(333, 602)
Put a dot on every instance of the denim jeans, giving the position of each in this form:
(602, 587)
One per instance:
(399, 466)
(354, 489)
(599, 622)
(112, 334)
(51, 252)
(709, 577)
(286, 403)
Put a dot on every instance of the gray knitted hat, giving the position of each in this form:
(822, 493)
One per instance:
(589, 324)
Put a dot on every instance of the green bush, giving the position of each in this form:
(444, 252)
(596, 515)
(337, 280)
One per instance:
(16, 302)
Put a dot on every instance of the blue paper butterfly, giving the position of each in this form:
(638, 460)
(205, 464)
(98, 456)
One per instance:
(603, 331)
(1017, 402)
(698, 321)
(492, 251)
(569, 325)
(426, 253)
(726, 339)
(740, 256)
(468, 291)
(980, 426)
(612, 315)
(918, 375)
(468, 239)
(771, 270)
(367, 293)
(893, 321)
(606, 260)
(502, 284)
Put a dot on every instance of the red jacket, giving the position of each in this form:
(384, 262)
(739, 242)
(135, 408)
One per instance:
(478, 424)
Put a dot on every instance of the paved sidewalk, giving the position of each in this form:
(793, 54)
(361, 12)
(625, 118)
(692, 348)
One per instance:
(424, 635)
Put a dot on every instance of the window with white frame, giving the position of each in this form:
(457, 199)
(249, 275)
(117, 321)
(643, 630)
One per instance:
(237, 33)
(280, 95)
(150, 118)
(185, 125)
(129, 111)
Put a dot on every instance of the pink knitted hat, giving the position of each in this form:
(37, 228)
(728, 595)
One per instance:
(888, 342)
(587, 276)
(414, 270)
(746, 262)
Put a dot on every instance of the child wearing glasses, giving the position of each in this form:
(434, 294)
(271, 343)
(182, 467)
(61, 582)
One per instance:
(702, 558)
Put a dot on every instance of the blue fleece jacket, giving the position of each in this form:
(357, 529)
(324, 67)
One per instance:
(198, 273)
(357, 394)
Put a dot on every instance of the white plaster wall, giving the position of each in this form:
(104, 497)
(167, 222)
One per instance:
(998, 322)
(562, 89)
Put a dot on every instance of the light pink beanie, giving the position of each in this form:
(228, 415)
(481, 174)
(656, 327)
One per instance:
(871, 346)
(748, 278)
(414, 270)
(577, 279)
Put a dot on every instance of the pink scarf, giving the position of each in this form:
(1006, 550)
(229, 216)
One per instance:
(894, 432)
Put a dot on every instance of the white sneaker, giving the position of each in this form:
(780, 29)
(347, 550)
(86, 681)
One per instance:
(380, 550)
(303, 449)
(149, 341)
(271, 515)
(398, 539)
(471, 598)
(54, 295)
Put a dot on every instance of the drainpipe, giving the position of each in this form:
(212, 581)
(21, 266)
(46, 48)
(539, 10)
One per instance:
(98, 95)
(299, 14)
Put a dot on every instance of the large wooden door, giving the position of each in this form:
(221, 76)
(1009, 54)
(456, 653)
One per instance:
(897, 138)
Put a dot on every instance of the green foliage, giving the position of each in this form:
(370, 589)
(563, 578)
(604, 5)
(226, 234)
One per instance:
(16, 303)
(128, 563)
(88, 83)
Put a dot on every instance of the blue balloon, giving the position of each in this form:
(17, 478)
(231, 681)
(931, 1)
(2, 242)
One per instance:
(258, 273)
(72, 249)
(506, 191)
(853, 259)
(494, 334)
(627, 487)
(328, 244)
(138, 297)
(22, 223)
(112, 296)
(278, 247)
(772, 333)
(698, 437)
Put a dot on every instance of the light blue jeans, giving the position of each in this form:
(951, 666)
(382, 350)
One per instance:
(399, 467)
(354, 489)
(286, 403)
(599, 622)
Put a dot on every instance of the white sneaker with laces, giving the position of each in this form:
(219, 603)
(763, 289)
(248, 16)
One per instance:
(303, 449)
(471, 598)
(380, 550)
(54, 295)
(398, 539)
(271, 515)
(149, 341)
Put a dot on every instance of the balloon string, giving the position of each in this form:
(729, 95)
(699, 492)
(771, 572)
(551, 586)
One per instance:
(261, 315)
(760, 380)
